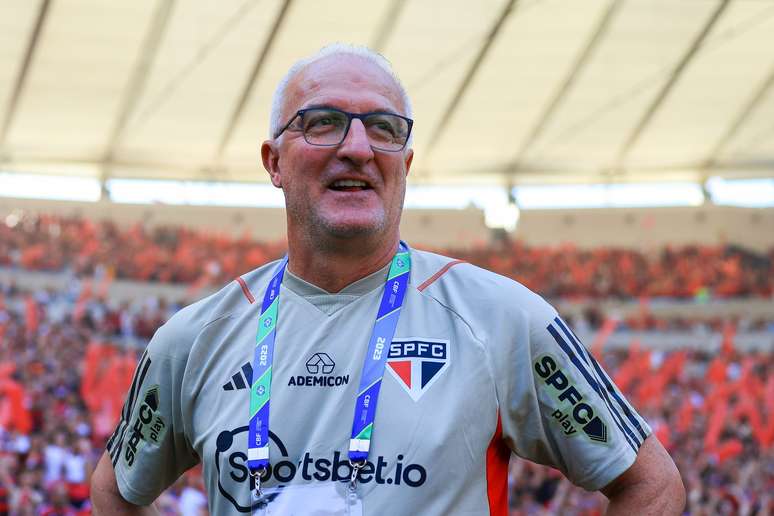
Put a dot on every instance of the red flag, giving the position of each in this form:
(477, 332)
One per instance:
(716, 372)
(768, 396)
(685, 415)
(662, 432)
(729, 333)
(13, 410)
(31, 316)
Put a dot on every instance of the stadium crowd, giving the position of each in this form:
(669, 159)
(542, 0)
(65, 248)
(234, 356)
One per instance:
(67, 357)
(179, 255)
(713, 412)
(65, 364)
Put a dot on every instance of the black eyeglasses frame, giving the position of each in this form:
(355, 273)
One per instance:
(360, 116)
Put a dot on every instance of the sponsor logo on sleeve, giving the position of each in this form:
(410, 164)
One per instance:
(571, 411)
(417, 364)
(148, 427)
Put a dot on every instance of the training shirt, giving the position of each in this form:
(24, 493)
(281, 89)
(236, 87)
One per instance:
(479, 367)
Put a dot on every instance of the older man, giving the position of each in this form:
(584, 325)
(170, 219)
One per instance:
(358, 375)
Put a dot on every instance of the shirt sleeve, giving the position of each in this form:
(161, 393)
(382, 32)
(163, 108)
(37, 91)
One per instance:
(562, 409)
(149, 448)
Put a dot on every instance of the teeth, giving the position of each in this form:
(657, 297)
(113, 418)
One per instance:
(344, 183)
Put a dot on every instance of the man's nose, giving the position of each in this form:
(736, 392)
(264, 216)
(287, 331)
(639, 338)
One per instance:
(356, 146)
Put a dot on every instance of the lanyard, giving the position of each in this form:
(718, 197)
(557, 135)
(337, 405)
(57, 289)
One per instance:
(370, 381)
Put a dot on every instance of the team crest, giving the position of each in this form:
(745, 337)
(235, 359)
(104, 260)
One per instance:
(417, 363)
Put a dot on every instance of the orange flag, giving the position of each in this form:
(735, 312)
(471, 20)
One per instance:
(728, 449)
(604, 333)
(113, 387)
(717, 420)
(83, 298)
(729, 333)
(627, 371)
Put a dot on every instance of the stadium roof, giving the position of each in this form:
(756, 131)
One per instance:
(504, 91)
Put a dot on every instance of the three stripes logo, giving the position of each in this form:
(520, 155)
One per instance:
(241, 379)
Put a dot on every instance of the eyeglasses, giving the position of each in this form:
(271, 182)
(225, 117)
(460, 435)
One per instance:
(327, 127)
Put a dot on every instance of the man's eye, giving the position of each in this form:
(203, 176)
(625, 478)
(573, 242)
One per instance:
(321, 122)
(382, 127)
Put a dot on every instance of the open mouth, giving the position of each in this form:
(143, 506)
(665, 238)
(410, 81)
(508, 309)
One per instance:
(349, 185)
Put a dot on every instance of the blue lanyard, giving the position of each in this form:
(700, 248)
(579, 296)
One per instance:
(370, 381)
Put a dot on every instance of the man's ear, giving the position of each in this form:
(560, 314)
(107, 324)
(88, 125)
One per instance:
(409, 157)
(270, 157)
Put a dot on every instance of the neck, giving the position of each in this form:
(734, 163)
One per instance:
(333, 267)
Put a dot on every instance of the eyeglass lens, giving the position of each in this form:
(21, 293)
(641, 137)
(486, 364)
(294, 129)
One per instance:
(328, 127)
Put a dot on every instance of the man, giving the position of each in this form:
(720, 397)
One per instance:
(401, 381)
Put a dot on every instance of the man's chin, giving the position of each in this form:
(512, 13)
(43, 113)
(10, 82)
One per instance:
(351, 229)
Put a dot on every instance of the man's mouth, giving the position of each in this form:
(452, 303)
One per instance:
(349, 185)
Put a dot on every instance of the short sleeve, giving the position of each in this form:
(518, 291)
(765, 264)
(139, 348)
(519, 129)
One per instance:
(149, 448)
(565, 410)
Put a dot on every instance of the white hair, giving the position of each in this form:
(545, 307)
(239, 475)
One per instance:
(335, 49)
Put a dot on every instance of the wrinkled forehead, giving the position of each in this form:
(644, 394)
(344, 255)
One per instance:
(343, 80)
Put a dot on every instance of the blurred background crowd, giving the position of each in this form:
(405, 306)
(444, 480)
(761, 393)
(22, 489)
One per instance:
(67, 355)
(181, 255)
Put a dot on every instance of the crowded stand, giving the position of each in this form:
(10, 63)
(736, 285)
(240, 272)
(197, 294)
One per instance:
(67, 356)
(180, 255)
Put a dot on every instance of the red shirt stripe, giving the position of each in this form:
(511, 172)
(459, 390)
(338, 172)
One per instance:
(497, 457)
(438, 274)
(245, 290)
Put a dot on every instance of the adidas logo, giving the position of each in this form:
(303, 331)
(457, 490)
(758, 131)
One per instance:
(241, 379)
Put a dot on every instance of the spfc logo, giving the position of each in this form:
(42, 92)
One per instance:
(417, 363)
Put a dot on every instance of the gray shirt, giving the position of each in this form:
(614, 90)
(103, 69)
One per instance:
(480, 367)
